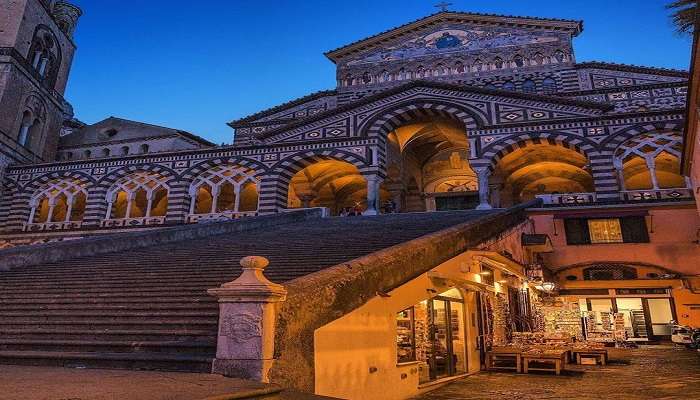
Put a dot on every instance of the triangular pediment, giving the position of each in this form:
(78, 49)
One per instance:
(449, 32)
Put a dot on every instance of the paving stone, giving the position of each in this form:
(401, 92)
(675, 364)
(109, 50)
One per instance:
(649, 372)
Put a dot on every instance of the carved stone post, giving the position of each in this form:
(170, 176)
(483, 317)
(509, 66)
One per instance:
(246, 337)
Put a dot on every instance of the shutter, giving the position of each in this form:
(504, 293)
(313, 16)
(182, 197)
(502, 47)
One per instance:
(634, 230)
(576, 231)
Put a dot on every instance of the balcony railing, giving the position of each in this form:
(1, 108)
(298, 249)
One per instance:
(128, 222)
(222, 216)
(656, 194)
(51, 226)
(567, 198)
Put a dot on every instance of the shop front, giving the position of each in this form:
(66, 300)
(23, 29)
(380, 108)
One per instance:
(428, 331)
(433, 333)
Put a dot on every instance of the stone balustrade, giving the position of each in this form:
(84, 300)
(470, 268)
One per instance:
(568, 198)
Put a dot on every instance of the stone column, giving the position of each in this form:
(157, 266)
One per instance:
(652, 172)
(373, 206)
(483, 177)
(619, 170)
(246, 338)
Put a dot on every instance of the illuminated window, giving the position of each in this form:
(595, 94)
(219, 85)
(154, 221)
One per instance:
(631, 229)
(605, 230)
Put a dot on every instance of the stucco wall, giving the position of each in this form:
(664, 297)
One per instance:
(672, 233)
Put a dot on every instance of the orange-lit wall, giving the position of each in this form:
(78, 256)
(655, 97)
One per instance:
(672, 233)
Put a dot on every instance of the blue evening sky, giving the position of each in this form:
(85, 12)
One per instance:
(195, 65)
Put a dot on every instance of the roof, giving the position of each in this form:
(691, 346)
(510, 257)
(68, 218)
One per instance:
(439, 85)
(81, 136)
(575, 27)
(633, 68)
(273, 110)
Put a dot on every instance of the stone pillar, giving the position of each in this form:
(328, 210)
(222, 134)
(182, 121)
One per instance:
(373, 206)
(483, 176)
(4, 163)
(619, 170)
(651, 165)
(246, 339)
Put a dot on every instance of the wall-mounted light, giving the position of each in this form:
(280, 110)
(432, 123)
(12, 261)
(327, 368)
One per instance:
(485, 273)
(548, 286)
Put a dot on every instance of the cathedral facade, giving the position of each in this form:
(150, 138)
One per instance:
(452, 111)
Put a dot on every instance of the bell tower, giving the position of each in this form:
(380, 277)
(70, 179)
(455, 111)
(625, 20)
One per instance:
(36, 53)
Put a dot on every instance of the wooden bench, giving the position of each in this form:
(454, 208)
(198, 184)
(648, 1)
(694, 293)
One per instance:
(499, 354)
(600, 355)
(554, 358)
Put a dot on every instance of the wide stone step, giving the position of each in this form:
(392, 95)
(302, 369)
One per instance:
(124, 307)
(123, 322)
(136, 361)
(115, 334)
(197, 348)
(93, 300)
(40, 314)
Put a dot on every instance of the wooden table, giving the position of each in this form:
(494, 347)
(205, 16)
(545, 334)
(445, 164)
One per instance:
(554, 357)
(497, 354)
(600, 355)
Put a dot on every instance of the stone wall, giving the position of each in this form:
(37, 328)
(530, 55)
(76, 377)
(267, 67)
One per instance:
(320, 298)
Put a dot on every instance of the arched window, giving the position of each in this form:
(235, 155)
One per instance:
(498, 63)
(549, 85)
(366, 77)
(478, 65)
(420, 72)
(68, 155)
(650, 161)
(518, 61)
(459, 67)
(140, 195)
(45, 55)
(348, 80)
(402, 74)
(23, 135)
(125, 150)
(529, 86)
(87, 154)
(106, 152)
(539, 59)
(60, 201)
(144, 148)
(228, 189)
(508, 85)
(384, 76)
(559, 56)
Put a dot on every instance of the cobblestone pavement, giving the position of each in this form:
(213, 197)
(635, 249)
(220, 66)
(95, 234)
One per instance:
(661, 372)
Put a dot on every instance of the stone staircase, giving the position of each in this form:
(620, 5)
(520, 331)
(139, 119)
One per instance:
(148, 308)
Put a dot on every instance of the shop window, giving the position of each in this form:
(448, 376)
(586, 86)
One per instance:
(406, 335)
(606, 230)
(433, 334)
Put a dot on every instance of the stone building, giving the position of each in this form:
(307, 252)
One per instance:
(572, 170)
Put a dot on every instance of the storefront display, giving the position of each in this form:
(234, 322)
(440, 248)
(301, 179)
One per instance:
(432, 332)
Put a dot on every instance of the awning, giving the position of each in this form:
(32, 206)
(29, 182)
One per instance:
(592, 213)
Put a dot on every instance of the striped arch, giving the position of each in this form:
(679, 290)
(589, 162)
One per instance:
(97, 205)
(615, 140)
(387, 120)
(256, 170)
(492, 154)
(274, 185)
(196, 170)
(20, 208)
